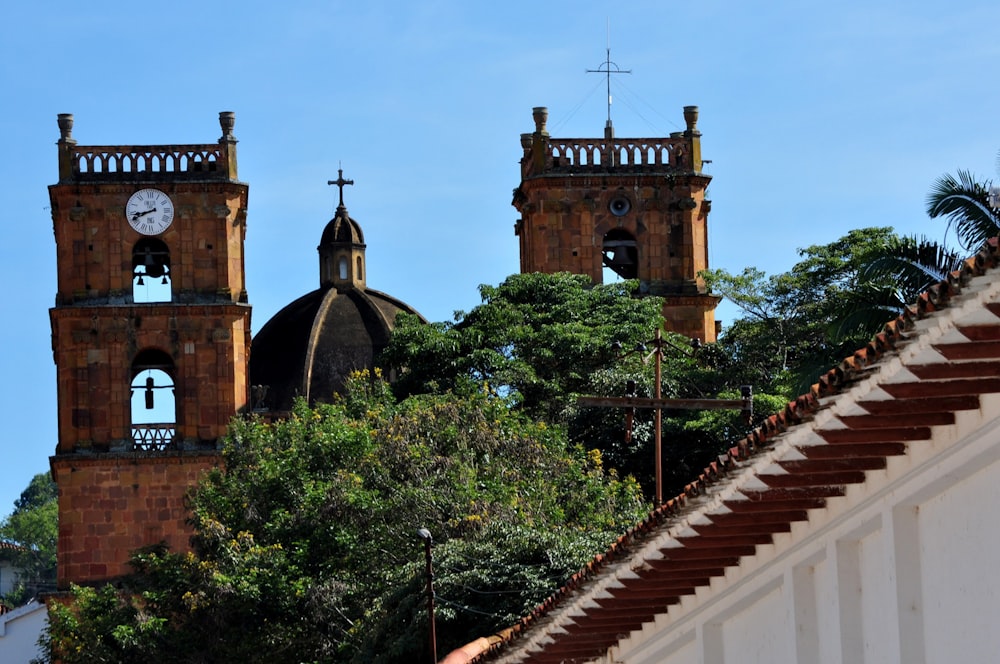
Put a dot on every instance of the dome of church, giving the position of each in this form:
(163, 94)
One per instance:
(311, 346)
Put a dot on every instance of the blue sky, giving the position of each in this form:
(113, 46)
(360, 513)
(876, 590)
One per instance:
(818, 118)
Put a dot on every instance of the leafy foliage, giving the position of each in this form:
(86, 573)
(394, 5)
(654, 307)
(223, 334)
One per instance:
(536, 338)
(304, 546)
(542, 340)
(801, 322)
(33, 526)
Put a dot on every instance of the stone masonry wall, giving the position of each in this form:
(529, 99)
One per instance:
(110, 507)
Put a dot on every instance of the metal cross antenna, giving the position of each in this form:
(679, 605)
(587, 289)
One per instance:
(340, 182)
(607, 71)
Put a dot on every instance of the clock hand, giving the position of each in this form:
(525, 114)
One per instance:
(136, 216)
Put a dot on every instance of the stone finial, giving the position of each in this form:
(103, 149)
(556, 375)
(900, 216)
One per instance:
(691, 117)
(541, 116)
(66, 128)
(227, 120)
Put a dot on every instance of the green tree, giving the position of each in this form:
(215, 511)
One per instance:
(33, 526)
(801, 322)
(536, 338)
(305, 547)
(542, 340)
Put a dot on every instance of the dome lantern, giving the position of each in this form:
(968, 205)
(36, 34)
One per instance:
(342, 247)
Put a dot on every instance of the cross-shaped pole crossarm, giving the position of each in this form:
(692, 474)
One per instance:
(658, 404)
(745, 404)
(676, 404)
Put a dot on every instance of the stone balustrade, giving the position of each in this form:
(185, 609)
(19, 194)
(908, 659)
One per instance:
(136, 163)
(104, 163)
(636, 152)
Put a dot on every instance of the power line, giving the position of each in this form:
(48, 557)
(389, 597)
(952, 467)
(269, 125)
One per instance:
(483, 592)
(462, 607)
(557, 127)
(631, 98)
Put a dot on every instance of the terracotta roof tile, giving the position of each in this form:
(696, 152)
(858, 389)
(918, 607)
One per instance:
(836, 453)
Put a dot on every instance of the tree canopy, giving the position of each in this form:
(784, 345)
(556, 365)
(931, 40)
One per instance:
(536, 338)
(542, 340)
(305, 546)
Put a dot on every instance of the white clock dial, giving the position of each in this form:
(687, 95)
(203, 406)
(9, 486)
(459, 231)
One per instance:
(149, 211)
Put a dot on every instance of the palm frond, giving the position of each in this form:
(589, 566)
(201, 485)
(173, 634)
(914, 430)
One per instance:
(871, 306)
(910, 264)
(964, 202)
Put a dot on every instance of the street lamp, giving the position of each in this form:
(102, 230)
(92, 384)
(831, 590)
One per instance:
(425, 535)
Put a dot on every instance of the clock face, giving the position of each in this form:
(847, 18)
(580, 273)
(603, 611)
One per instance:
(149, 211)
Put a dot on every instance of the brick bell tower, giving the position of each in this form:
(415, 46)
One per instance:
(150, 336)
(631, 207)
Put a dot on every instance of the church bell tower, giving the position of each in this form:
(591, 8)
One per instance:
(150, 336)
(630, 208)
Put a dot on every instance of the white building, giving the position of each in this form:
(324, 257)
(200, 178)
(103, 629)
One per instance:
(858, 526)
(19, 632)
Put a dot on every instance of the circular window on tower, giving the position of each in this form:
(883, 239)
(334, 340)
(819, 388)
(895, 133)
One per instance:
(620, 206)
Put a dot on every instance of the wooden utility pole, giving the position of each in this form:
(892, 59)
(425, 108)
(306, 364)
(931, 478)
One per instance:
(658, 404)
(425, 535)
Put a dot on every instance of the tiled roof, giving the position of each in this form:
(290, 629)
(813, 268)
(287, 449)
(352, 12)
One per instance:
(886, 400)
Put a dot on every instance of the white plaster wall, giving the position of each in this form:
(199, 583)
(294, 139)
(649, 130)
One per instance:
(683, 650)
(19, 632)
(901, 570)
(758, 634)
(865, 599)
(960, 544)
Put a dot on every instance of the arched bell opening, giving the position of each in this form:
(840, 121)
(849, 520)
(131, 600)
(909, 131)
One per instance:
(620, 256)
(151, 271)
(153, 401)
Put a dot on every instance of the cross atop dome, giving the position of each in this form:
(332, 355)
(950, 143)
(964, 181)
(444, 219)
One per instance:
(340, 182)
